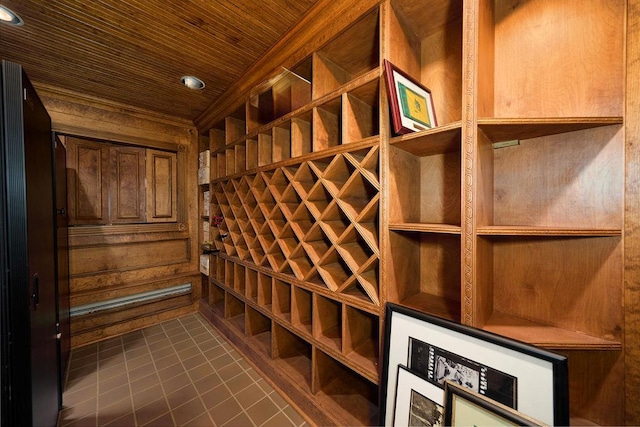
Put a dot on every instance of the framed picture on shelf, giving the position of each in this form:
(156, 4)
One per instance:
(464, 407)
(417, 402)
(518, 375)
(411, 103)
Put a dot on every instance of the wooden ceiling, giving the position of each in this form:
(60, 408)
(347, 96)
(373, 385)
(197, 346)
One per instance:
(135, 51)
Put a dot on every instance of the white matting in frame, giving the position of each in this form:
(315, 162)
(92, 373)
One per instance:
(417, 402)
(540, 376)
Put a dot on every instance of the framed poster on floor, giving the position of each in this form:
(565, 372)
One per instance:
(517, 375)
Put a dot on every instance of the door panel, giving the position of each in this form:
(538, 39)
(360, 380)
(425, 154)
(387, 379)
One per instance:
(127, 190)
(87, 182)
(161, 185)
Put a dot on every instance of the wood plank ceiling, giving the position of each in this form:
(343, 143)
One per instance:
(135, 51)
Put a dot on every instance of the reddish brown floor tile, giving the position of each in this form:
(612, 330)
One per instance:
(144, 383)
(147, 396)
(202, 421)
(176, 383)
(181, 372)
(181, 396)
(153, 410)
(114, 411)
(115, 394)
(241, 420)
(215, 396)
(278, 420)
(225, 411)
(188, 411)
(112, 382)
(164, 421)
(171, 371)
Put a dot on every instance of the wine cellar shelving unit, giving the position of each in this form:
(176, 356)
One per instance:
(508, 216)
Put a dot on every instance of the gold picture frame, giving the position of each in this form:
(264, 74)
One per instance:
(464, 407)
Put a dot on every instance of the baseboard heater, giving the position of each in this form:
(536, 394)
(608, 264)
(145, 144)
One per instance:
(121, 302)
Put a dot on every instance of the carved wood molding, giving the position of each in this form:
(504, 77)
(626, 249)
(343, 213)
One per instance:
(468, 133)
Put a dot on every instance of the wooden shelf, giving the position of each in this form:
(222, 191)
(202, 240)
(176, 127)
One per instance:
(426, 228)
(293, 356)
(321, 204)
(441, 139)
(504, 129)
(353, 399)
(546, 336)
(497, 230)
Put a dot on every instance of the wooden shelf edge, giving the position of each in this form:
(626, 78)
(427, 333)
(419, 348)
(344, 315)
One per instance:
(328, 152)
(426, 227)
(499, 230)
(502, 129)
(353, 301)
(546, 336)
(438, 140)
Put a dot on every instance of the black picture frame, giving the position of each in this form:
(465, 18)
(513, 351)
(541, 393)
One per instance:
(533, 380)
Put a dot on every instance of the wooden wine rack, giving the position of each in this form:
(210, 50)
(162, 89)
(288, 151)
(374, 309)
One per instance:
(316, 221)
(508, 216)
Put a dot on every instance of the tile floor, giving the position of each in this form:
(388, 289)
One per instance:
(178, 373)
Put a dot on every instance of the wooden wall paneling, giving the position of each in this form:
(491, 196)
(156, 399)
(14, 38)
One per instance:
(401, 45)
(106, 318)
(441, 70)
(265, 149)
(527, 83)
(241, 157)
(123, 256)
(301, 135)
(89, 289)
(485, 57)
(593, 371)
(632, 218)
(127, 190)
(252, 154)
(114, 267)
(560, 292)
(73, 113)
(87, 180)
(484, 208)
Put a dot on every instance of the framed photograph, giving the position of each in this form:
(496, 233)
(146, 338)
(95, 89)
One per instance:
(418, 402)
(515, 374)
(465, 407)
(410, 102)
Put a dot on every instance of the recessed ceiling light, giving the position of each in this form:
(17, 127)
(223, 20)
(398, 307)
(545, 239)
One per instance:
(192, 82)
(7, 16)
